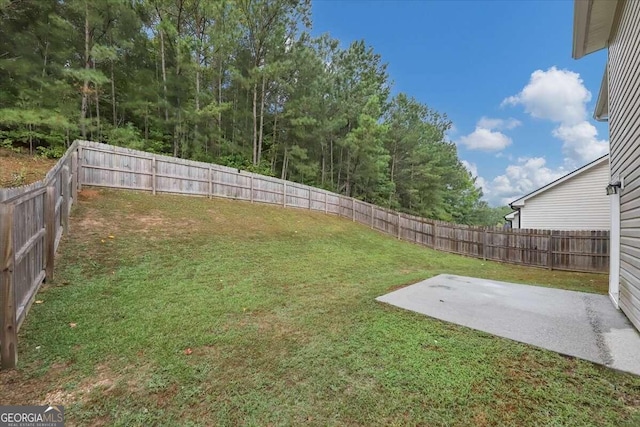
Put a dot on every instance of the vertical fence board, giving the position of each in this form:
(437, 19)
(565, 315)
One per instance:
(65, 199)
(50, 230)
(8, 322)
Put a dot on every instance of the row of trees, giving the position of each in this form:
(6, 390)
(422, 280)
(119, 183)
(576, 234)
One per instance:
(238, 82)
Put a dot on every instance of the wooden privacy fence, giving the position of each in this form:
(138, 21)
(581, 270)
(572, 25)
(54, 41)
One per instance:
(33, 218)
(116, 167)
(32, 221)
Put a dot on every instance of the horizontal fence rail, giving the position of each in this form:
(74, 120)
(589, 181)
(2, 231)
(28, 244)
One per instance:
(33, 219)
(116, 167)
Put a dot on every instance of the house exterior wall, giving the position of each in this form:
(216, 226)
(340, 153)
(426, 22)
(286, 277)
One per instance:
(515, 223)
(624, 135)
(579, 203)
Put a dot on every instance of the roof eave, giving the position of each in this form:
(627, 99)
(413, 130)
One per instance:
(601, 112)
(581, 12)
(519, 203)
(593, 24)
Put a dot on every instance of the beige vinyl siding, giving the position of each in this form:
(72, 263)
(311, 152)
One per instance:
(624, 133)
(579, 203)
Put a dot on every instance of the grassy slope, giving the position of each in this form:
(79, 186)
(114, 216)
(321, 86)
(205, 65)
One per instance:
(277, 307)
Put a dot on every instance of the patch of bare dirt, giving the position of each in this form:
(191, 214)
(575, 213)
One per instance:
(146, 223)
(88, 194)
(15, 389)
(54, 386)
(89, 222)
(18, 169)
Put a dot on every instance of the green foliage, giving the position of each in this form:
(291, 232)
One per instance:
(126, 136)
(51, 152)
(18, 178)
(242, 82)
(7, 143)
(242, 163)
(486, 215)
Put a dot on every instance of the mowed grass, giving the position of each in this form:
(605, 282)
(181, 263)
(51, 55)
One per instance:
(185, 311)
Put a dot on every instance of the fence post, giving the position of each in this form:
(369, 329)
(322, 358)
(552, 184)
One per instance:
(8, 324)
(309, 188)
(399, 230)
(79, 171)
(74, 171)
(326, 203)
(435, 234)
(386, 221)
(64, 214)
(484, 244)
(550, 251)
(50, 231)
(251, 188)
(284, 194)
(153, 175)
(210, 191)
(353, 209)
(372, 217)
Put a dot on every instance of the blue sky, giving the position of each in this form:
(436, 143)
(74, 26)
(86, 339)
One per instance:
(501, 70)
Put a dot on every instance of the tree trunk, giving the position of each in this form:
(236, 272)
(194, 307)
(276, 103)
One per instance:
(273, 144)
(261, 133)
(323, 166)
(197, 118)
(87, 66)
(233, 116)
(393, 169)
(90, 118)
(198, 89)
(331, 161)
(255, 124)
(44, 65)
(285, 163)
(164, 78)
(339, 170)
(347, 185)
(97, 89)
(30, 139)
(146, 122)
(220, 97)
(113, 98)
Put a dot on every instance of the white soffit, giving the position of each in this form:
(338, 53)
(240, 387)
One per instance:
(592, 24)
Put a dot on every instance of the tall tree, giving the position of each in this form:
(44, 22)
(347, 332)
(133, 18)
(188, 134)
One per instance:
(238, 82)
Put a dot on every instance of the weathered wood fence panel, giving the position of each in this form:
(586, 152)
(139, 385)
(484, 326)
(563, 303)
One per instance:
(33, 220)
(35, 217)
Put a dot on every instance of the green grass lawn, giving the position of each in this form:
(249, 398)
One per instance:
(215, 312)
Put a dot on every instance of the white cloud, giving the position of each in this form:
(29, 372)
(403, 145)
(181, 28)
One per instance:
(556, 95)
(527, 175)
(489, 123)
(487, 135)
(581, 143)
(485, 140)
(561, 97)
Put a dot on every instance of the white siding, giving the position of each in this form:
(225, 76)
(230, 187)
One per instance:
(624, 134)
(515, 223)
(579, 203)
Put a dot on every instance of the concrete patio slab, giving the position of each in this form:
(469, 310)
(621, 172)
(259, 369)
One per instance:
(577, 324)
